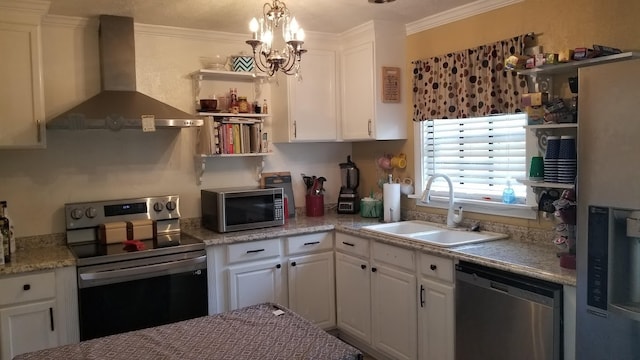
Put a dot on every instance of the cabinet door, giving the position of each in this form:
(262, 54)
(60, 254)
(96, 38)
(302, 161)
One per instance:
(21, 91)
(358, 93)
(353, 296)
(312, 98)
(395, 328)
(25, 328)
(256, 283)
(436, 320)
(311, 288)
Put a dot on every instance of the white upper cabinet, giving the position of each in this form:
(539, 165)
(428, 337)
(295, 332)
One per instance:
(307, 110)
(21, 87)
(358, 87)
(367, 114)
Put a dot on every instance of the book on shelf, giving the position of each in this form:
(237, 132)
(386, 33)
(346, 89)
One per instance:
(238, 120)
(254, 135)
(208, 141)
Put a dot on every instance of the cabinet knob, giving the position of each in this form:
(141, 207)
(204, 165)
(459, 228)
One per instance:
(26, 287)
(278, 266)
(374, 269)
(433, 267)
(363, 266)
(293, 263)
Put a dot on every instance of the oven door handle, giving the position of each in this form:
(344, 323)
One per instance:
(96, 278)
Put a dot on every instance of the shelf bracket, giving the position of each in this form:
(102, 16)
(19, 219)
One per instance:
(200, 164)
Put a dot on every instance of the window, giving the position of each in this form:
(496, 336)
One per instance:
(480, 155)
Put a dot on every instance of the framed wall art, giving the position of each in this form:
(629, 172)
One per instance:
(390, 84)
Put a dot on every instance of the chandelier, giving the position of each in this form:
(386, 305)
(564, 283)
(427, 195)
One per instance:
(268, 56)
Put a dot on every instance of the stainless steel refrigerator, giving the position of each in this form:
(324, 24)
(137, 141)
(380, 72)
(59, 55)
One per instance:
(608, 233)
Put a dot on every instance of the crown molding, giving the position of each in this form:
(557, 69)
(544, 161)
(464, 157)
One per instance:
(39, 7)
(459, 13)
(72, 22)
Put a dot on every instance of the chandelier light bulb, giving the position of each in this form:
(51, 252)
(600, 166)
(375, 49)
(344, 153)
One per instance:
(293, 25)
(300, 35)
(267, 37)
(253, 27)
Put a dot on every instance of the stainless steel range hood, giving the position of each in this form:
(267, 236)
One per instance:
(119, 105)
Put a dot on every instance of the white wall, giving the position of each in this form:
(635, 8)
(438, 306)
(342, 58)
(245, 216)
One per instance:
(97, 165)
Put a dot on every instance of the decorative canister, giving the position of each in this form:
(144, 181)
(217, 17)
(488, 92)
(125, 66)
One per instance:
(243, 105)
(242, 63)
(370, 207)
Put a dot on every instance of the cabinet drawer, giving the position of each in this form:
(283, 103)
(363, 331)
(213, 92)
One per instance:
(23, 288)
(308, 243)
(394, 255)
(352, 244)
(436, 267)
(253, 250)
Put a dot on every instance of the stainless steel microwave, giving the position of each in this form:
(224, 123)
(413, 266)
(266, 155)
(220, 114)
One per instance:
(233, 209)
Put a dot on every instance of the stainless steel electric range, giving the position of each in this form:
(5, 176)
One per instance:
(122, 288)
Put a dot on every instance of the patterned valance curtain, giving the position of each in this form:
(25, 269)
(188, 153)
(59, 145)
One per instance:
(468, 83)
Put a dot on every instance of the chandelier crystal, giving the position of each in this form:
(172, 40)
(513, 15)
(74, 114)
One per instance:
(268, 56)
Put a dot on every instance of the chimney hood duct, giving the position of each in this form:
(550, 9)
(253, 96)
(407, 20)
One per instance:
(119, 105)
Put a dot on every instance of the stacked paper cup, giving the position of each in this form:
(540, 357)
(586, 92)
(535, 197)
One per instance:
(567, 160)
(551, 159)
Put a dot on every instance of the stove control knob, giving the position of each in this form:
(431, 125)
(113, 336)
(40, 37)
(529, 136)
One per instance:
(76, 214)
(171, 205)
(158, 207)
(91, 212)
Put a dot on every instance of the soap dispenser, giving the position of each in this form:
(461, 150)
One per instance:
(508, 195)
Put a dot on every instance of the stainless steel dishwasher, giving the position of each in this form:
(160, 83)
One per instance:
(500, 315)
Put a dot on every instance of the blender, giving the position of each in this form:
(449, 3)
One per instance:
(348, 199)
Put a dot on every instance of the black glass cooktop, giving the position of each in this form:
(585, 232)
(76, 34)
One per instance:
(94, 252)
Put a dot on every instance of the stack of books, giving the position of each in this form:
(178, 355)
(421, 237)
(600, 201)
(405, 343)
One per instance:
(230, 135)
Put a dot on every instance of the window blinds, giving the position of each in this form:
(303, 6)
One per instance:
(478, 154)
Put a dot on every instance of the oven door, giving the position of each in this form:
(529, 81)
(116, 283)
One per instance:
(136, 294)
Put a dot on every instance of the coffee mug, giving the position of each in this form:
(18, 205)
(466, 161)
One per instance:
(399, 162)
(384, 163)
(536, 171)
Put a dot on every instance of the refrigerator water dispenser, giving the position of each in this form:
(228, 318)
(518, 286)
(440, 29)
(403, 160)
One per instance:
(613, 269)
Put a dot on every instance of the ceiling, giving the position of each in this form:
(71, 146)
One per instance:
(328, 16)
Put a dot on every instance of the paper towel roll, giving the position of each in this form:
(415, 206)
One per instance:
(391, 202)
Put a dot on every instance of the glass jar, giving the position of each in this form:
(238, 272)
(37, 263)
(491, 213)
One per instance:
(243, 105)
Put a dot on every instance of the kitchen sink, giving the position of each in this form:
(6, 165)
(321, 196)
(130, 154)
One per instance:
(448, 238)
(434, 234)
(404, 227)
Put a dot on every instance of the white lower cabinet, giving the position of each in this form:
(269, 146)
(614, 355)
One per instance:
(437, 308)
(393, 303)
(376, 295)
(353, 302)
(27, 328)
(38, 310)
(296, 272)
(252, 283)
(311, 288)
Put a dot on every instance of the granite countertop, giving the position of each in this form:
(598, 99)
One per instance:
(40, 258)
(534, 259)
